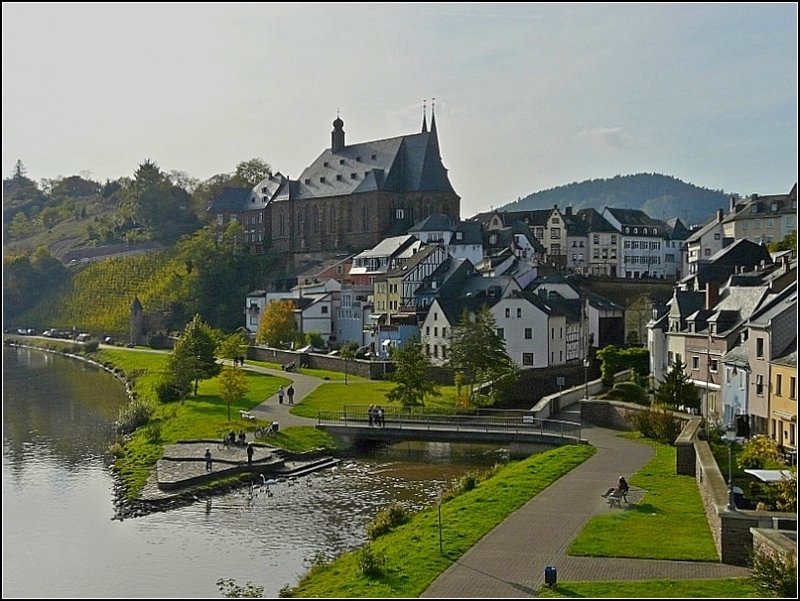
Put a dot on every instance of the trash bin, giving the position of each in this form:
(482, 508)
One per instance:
(550, 575)
(274, 426)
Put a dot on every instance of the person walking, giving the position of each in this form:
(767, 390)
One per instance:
(250, 452)
(280, 395)
(208, 459)
(290, 392)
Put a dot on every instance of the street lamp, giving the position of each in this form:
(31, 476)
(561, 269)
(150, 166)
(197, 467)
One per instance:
(586, 364)
(730, 434)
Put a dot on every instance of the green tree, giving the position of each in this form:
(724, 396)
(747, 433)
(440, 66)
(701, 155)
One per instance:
(277, 327)
(412, 385)
(249, 173)
(193, 357)
(760, 452)
(234, 346)
(789, 242)
(677, 390)
(232, 386)
(478, 354)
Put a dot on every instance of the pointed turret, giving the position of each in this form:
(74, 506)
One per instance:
(424, 117)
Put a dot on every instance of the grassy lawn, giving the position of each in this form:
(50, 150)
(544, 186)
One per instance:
(722, 588)
(671, 505)
(333, 396)
(413, 559)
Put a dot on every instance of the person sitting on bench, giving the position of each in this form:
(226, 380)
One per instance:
(620, 490)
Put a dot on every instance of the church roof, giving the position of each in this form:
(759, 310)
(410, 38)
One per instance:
(408, 163)
(236, 200)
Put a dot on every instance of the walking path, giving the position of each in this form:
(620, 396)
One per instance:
(510, 560)
(271, 410)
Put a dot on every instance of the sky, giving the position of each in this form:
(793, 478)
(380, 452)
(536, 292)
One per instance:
(528, 96)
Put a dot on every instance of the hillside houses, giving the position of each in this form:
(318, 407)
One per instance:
(733, 325)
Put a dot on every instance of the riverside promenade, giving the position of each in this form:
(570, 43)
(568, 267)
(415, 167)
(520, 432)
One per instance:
(510, 560)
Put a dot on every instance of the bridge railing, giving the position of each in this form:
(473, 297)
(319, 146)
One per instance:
(523, 423)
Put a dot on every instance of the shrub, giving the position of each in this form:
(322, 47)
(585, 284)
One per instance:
(153, 432)
(629, 392)
(394, 515)
(134, 414)
(168, 390)
(774, 574)
(759, 452)
(371, 562)
(657, 423)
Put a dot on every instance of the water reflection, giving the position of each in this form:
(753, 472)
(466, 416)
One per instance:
(57, 500)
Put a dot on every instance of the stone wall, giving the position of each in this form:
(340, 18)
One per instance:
(731, 530)
(373, 370)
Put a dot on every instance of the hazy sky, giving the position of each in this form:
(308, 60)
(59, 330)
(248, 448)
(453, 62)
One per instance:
(528, 96)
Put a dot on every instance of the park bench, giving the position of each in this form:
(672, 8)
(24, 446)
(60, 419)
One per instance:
(247, 415)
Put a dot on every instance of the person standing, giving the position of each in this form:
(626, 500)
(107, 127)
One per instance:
(208, 459)
(380, 416)
(250, 453)
(280, 395)
(290, 392)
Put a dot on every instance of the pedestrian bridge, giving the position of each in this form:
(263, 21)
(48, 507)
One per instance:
(487, 426)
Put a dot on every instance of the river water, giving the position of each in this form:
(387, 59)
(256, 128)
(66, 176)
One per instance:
(59, 538)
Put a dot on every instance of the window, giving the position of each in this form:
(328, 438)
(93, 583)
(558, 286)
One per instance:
(436, 331)
(444, 334)
(707, 252)
(324, 309)
(792, 388)
(528, 333)
(435, 350)
(613, 239)
(714, 365)
(555, 234)
(695, 362)
(527, 358)
(501, 333)
(427, 330)
(399, 214)
(760, 348)
(778, 384)
(519, 311)
(508, 312)
(435, 316)
(552, 333)
(760, 385)
(717, 236)
(428, 350)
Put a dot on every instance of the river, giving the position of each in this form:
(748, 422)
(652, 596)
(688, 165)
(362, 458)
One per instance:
(59, 538)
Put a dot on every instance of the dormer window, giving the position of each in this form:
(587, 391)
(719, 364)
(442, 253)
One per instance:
(644, 230)
(636, 230)
(774, 207)
(627, 230)
(459, 235)
(754, 209)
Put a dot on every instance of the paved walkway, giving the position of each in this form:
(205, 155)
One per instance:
(271, 410)
(510, 560)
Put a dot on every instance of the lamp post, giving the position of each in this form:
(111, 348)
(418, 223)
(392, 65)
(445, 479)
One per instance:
(586, 364)
(730, 434)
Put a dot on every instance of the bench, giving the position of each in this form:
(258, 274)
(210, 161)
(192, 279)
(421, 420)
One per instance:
(247, 415)
(615, 499)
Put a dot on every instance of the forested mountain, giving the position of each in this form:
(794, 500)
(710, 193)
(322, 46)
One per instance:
(660, 196)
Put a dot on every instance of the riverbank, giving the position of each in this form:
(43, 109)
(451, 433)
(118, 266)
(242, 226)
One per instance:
(204, 416)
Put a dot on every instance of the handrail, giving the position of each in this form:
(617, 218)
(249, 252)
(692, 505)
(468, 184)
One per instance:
(521, 424)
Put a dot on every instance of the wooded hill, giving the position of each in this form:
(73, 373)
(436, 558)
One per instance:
(660, 196)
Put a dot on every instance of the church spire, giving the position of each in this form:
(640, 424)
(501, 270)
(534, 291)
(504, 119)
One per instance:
(433, 117)
(424, 116)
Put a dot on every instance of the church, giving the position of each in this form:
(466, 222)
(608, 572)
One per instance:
(350, 198)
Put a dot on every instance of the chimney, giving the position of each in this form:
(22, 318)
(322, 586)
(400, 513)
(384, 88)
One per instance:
(732, 206)
(568, 211)
(719, 215)
(712, 294)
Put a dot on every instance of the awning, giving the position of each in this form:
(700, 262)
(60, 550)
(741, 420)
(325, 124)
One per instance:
(769, 475)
